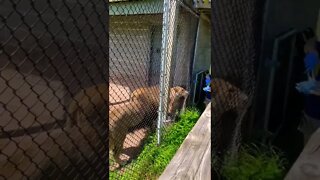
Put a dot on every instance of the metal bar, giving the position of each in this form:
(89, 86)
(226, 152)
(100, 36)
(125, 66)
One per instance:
(192, 86)
(172, 35)
(287, 87)
(194, 60)
(272, 76)
(163, 66)
(190, 10)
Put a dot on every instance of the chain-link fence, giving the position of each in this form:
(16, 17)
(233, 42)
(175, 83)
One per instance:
(146, 48)
(235, 46)
(51, 128)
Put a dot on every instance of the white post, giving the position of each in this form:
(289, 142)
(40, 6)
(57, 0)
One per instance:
(173, 14)
(163, 66)
(168, 35)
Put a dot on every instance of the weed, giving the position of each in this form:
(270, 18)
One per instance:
(256, 163)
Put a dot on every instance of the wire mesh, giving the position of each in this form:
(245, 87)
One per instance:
(182, 40)
(50, 52)
(235, 46)
(136, 34)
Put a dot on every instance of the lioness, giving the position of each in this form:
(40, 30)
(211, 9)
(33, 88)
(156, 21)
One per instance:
(143, 106)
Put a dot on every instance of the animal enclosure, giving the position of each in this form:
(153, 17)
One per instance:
(136, 68)
(50, 52)
(235, 51)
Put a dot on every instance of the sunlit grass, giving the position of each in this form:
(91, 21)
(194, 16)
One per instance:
(153, 159)
(252, 162)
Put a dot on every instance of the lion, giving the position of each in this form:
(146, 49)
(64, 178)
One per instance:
(228, 102)
(86, 126)
(143, 104)
(121, 118)
(54, 152)
(142, 107)
(177, 99)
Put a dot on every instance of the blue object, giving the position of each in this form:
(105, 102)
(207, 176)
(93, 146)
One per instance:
(207, 89)
(312, 102)
(208, 80)
(311, 61)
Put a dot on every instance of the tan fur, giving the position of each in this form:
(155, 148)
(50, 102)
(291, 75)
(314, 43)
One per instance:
(143, 105)
(178, 99)
(121, 119)
(226, 96)
(87, 103)
(57, 144)
(86, 127)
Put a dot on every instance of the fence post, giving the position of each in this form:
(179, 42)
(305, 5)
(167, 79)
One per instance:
(168, 33)
(171, 37)
(163, 67)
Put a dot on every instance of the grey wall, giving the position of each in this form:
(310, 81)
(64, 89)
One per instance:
(202, 59)
(280, 16)
(285, 14)
(184, 50)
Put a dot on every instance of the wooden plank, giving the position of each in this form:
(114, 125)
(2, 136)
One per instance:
(307, 166)
(204, 171)
(192, 167)
(193, 153)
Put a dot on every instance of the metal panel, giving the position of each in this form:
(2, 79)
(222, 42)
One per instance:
(130, 53)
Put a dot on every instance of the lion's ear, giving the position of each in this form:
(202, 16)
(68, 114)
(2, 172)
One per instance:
(176, 89)
(173, 91)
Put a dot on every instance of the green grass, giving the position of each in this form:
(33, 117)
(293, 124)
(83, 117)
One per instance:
(253, 163)
(153, 159)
